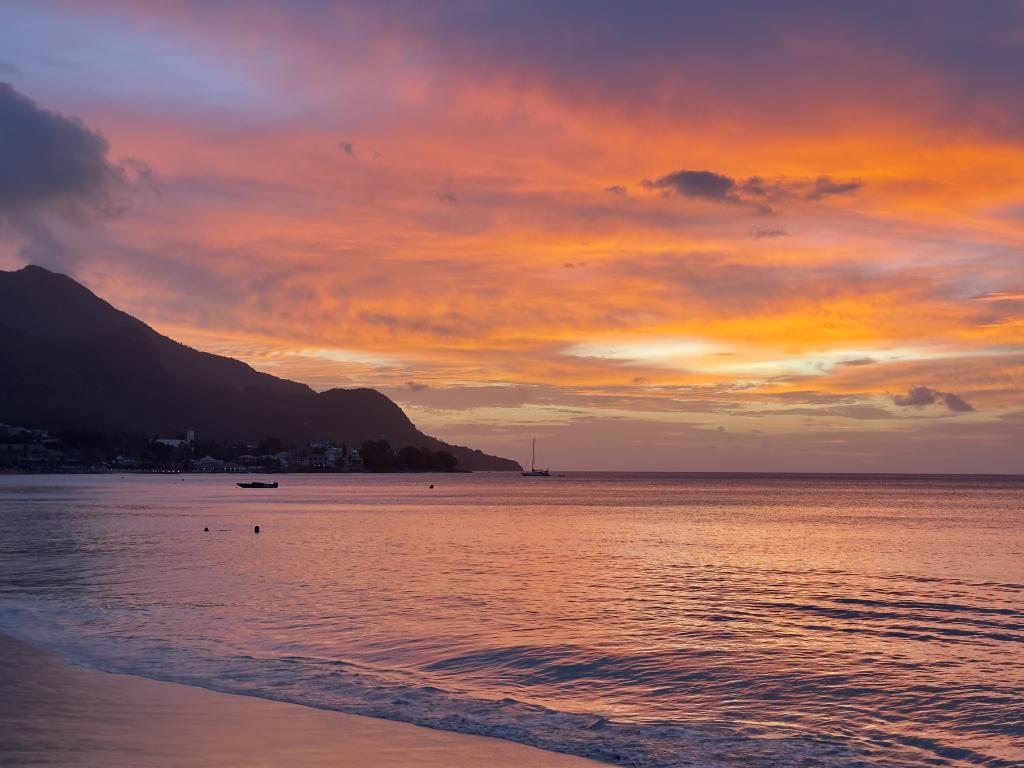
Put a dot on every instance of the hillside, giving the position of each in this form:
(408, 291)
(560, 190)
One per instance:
(71, 360)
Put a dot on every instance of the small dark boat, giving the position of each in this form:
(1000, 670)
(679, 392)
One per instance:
(257, 485)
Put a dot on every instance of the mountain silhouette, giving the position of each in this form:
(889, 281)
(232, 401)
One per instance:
(69, 360)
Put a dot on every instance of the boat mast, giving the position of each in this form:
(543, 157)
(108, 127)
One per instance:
(533, 455)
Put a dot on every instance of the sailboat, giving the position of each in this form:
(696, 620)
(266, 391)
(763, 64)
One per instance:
(534, 472)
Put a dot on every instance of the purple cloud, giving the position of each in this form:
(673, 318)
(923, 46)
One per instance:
(920, 397)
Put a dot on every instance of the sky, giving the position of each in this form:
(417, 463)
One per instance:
(655, 236)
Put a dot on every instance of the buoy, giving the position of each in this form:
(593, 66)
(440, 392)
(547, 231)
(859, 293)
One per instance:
(206, 530)
(431, 485)
(256, 529)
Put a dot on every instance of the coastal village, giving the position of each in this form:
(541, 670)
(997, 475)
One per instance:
(23, 449)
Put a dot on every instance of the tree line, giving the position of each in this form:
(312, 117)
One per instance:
(379, 456)
(89, 447)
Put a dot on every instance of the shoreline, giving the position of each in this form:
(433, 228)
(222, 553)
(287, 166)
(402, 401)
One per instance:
(56, 713)
(574, 473)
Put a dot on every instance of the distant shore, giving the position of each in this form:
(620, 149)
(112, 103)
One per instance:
(242, 472)
(52, 713)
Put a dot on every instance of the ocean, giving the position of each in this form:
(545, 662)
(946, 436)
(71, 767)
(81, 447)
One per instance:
(645, 620)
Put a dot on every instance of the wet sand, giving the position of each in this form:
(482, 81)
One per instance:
(55, 714)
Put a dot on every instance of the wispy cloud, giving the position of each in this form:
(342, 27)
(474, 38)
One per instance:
(545, 283)
(762, 233)
(755, 191)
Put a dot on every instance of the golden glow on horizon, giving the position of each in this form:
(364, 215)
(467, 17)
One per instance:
(489, 235)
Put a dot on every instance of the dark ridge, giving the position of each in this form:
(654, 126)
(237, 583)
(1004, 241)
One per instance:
(72, 361)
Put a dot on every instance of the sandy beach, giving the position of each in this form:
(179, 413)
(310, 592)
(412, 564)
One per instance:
(56, 714)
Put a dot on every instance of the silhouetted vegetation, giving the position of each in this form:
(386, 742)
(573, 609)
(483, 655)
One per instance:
(88, 450)
(379, 456)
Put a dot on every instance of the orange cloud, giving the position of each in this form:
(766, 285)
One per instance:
(466, 237)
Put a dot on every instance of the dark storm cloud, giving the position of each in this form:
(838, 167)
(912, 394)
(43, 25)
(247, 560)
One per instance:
(703, 185)
(956, 403)
(755, 191)
(917, 396)
(920, 397)
(56, 180)
(858, 361)
(616, 189)
(49, 161)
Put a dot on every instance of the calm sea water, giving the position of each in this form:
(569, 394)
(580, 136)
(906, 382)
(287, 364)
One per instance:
(645, 620)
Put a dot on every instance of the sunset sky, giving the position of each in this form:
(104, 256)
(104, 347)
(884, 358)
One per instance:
(664, 236)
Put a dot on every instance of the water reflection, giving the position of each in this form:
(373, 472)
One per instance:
(775, 619)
